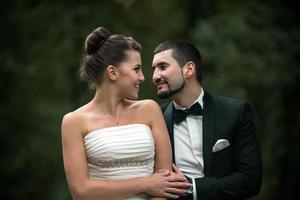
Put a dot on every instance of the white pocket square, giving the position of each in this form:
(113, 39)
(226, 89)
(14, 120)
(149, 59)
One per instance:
(220, 144)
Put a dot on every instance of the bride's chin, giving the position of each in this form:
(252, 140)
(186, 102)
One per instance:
(133, 97)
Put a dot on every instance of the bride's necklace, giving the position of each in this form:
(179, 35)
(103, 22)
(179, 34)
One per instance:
(113, 119)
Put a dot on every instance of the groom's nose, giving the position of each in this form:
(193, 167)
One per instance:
(156, 75)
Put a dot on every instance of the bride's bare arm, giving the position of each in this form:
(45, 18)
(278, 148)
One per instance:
(163, 150)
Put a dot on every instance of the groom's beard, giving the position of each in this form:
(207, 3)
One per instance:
(170, 93)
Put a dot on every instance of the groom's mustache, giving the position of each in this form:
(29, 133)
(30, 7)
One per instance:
(161, 81)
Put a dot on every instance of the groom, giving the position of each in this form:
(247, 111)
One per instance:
(213, 138)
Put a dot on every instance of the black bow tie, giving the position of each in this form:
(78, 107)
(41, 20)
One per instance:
(180, 115)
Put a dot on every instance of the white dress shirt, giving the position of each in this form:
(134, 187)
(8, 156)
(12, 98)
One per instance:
(188, 145)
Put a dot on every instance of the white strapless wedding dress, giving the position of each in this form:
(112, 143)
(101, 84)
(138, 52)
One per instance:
(120, 152)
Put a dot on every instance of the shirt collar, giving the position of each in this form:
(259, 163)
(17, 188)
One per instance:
(199, 100)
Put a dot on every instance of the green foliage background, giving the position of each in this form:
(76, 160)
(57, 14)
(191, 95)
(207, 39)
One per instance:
(250, 51)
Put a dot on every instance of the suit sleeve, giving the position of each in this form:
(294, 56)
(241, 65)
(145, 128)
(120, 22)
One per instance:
(245, 179)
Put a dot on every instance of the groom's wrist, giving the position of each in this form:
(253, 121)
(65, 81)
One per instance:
(190, 190)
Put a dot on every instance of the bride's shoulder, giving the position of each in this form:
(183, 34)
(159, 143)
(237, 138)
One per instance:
(75, 118)
(145, 105)
(76, 114)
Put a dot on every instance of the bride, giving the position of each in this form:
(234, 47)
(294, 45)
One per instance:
(117, 147)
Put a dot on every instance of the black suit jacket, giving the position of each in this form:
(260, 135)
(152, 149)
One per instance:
(236, 171)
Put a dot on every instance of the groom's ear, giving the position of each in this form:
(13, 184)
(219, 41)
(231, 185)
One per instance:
(189, 69)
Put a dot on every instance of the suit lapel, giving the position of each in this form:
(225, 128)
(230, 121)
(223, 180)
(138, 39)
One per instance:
(208, 131)
(168, 114)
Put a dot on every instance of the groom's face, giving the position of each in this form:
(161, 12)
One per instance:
(167, 74)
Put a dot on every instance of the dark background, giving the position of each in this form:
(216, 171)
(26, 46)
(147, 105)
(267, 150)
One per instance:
(250, 51)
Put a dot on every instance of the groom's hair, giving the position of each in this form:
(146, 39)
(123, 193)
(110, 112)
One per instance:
(183, 52)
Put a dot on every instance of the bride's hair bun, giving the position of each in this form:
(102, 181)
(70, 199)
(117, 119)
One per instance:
(95, 40)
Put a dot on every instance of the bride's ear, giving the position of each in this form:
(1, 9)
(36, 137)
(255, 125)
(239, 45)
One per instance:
(112, 72)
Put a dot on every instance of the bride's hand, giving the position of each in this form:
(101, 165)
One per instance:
(165, 183)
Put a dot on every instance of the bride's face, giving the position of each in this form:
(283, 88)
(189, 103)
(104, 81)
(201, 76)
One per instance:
(130, 75)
